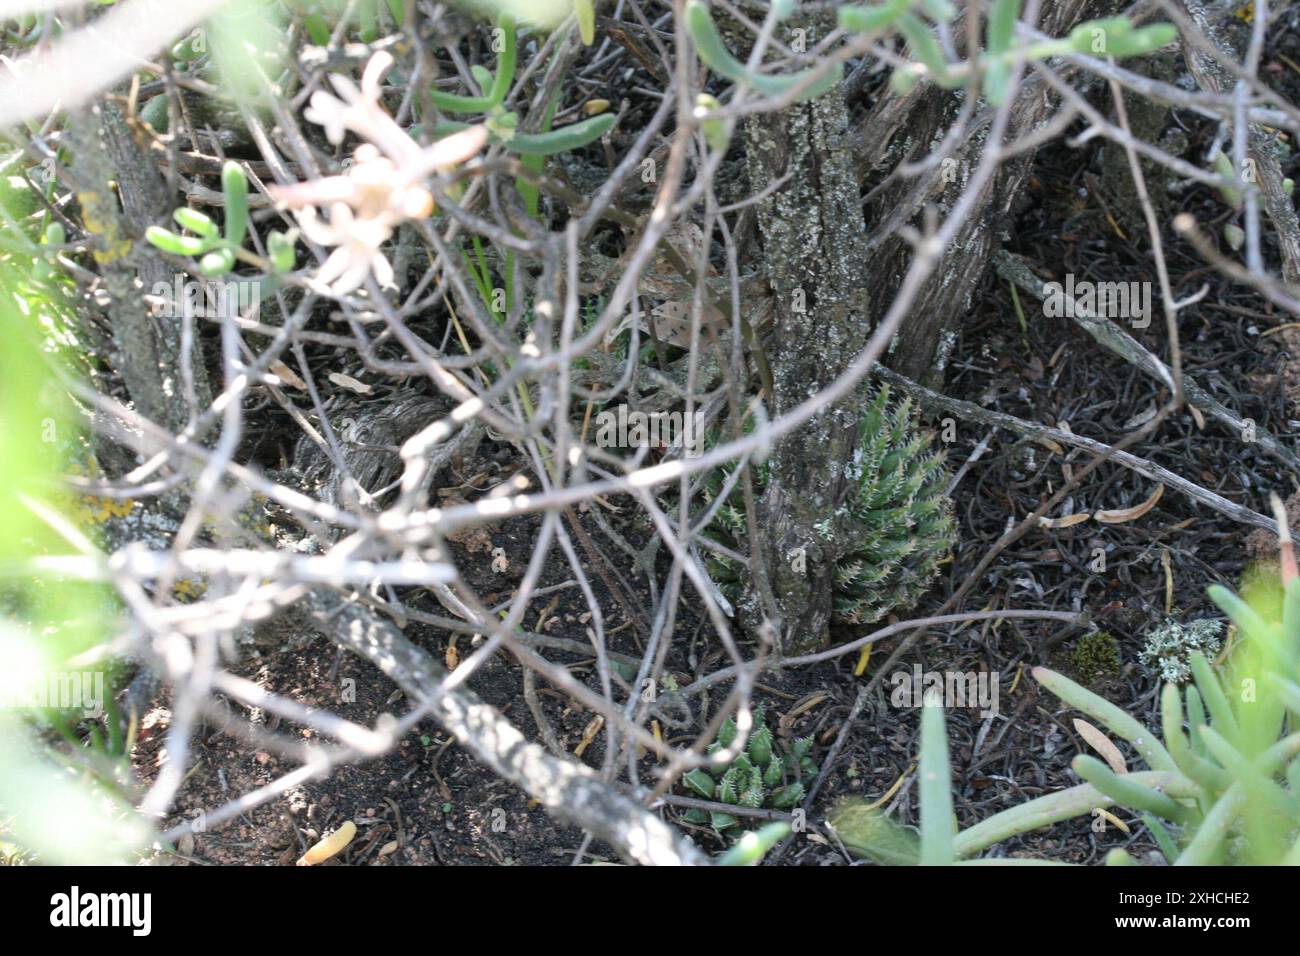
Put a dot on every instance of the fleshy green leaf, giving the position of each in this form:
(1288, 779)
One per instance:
(935, 782)
(751, 847)
(234, 187)
(168, 241)
(700, 781)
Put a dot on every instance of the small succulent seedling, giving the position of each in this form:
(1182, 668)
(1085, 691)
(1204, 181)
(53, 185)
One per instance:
(899, 518)
(218, 248)
(760, 776)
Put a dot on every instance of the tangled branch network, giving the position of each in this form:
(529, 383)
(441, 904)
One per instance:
(457, 203)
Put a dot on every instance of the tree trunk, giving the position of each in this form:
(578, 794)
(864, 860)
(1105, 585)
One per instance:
(826, 274)
(149, 348)
(814, 243)
(909, 128)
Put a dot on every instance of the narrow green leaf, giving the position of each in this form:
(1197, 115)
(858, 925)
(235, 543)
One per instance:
(1242, 614)
(1002, 25)
(1114, 719)
(870, 19)
(585, 11)
(751, 848)
(1146, 39)
(715, 55)
(935, 782)
(1127, 792)
(177, 245)
(1195, 720)
(1249, 778)
(1062, 805)
(501, 81)
(1001, 28)
(1207, 682)
(1161, 835)
(196, 222)
(317, 29)
(1193, 765)
(564, 139)
(923, 44)
(1204, 848)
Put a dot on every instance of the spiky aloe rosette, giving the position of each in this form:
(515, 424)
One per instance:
(759, 777)
(899, 519)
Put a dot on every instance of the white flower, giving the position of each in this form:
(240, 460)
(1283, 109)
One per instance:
(360, 111)
(358, 243)
(384, 186)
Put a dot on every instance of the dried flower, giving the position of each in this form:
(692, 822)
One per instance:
(383, 187)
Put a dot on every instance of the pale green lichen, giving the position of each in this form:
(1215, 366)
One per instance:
(1169, 646)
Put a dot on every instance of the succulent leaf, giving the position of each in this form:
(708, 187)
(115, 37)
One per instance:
(900, 518)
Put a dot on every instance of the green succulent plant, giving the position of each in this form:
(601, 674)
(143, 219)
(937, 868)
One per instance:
(763, 775)
(1109, 36)
(900, 518)
(219, 248)
(1222, 788)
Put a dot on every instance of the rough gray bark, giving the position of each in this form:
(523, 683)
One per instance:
(1261, 145)
(911, 127)
(814, 246)
(826, 276)
(149, 352)
(1147, 119)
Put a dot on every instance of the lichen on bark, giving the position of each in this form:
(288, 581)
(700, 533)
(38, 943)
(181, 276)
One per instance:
(814, 244)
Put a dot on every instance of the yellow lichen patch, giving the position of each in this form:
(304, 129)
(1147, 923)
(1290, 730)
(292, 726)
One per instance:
(99, 214)
(188, 589)
(89, 509)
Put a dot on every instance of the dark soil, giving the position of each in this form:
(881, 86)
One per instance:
(440, 807)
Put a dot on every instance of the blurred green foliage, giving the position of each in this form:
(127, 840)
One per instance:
(59, 804)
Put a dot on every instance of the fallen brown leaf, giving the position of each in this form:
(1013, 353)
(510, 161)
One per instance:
(1120, 515)
(1102, 744)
